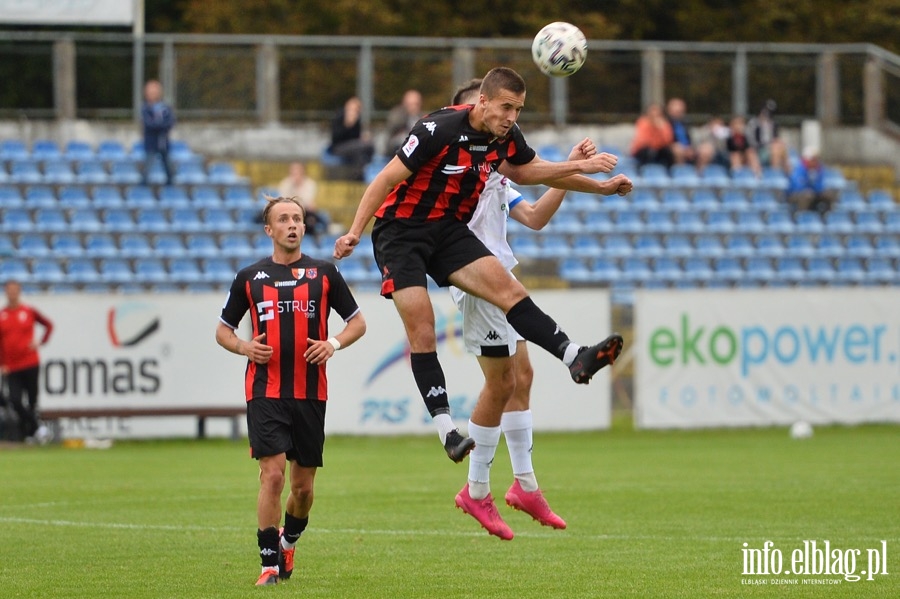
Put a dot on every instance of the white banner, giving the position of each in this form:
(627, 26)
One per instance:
(750, 358)
(67, 12)
(146, 351)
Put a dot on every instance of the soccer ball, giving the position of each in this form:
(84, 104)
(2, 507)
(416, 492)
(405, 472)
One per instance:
(801, 430)
(559, 49)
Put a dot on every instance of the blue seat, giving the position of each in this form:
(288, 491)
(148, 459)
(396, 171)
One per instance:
(108, 196)
(41, 197)
(565, 222)
(629, 221)
(879, 270)
(45, 150)
(744, 178)
(135, 246)
(140, 196)
(636, 270)
(82, 270)
(888, 246)
(151, 270)
(604, 271)
(852, 200)
(892, 222)
(85, 220)
(838, 221)
(66, 245)
(800, 245)
(186, 220)
(705, 199)
(74, 196)
(678, 246)
(14, 149)
(110, 151)
(25, 172)
(648, 246)
(218, 221)
(820, 270)
(116, 271)
(654, 175)
(224, 173)
(728, 269)
(217, 270)
(830, 246)
(735, 200)
(759, 270)
(125, 172)
(238, 246)
(850, 270)
(709, 245)
(76, 151)
(174, 196)
(809, 221)
(203, 246)
(739, 246)
(599, 222)
(14, 269)
(574, 270)
(770, 246)
(586, 245)
(764, 199)
(645, 200)
(697, 270)
(100, 245)
(169, 246)
(685, 175)
(240, 196)
(773, 178)
(360, 272)
(715, 175)
(190, 173)
(617, 246)
(859, 246)
(868, 222)
(50, 220)
(58, 172)
(11, 197)
(673, 200)
(206, 196)
(118, 220)
(524, 245)
(184, 270)
(34, 245)
(16, 220)
(833, 178)
(181, 151)
(689, 221)
(48, 272)
(552, 246)
(153, 220)
(659, 222)
(779, 221)
(882, 199)
(667, 269)
(91, 172)
(789, 269)
(7, 248)
(720, 222)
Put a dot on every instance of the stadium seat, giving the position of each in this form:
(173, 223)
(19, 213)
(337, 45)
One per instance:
(186, 220)
(667, 270)
(629, 221)
(744, 178)
(654, 175)
(524, 245)
(604, 271)
(34, 245)
(697, 270)
(830, 246)
(599, 222)
(169, 246)
(223, 173)
(879, 270)
(85, 220)
(218, 221)
(58, 172)
(184, 270)
(759, 270)
(125, 172)
(16, 220)
(574, 270)
(108, 196)
(809, 221)
(16, 269)
(174, 196)
(659, 222)
(565, 222)
(882, 200)
(41, 197)
(11, 197)
(135, 246)
(7, 247)
(689, 221)
(203, 246)
(636, 270)
(779, 221)
(100, 245)
(140, 196)
(735, 200)
(153, 220)
(554, 246)
(617, 246)
(66, 245)
(789, 270)
(720, 222)
(82, 270)
(838, 221)
(800, 246)
(892, 222)
(240, 196)
(773, 178)
(76, 151)
(116, 271)
(887, 246)
(238, 246)
(118, 220)
(739, 246)
(45, 150)
(764, 199)
(852, 200)
(820, 270)
(868, 222)
(190, 173)
(674, 200)
(685, 176)
(586, 245)
(648, 246)
(678, 246)
(833, 178)
(13, 149)
(206, 196)
(859, 246)
(25, 172)
(111, 151)
(150, 270)
(74, 196)
(850, 270)
(728, 269)
(48, 272)
(217, 270)
(709, 245)
(645, 200)
(50, 220)
(715, 175)
(91, 172)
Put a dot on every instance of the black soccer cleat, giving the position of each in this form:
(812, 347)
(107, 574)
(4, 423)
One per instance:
(457, 446)
(591, 359)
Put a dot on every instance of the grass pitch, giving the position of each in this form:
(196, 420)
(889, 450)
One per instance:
(650, 514)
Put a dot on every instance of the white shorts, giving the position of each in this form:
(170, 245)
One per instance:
(486, 332)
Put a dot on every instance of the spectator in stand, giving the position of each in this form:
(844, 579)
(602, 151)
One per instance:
(158, 118)
(401, 119)
(741, 153)
(762, 131)
(807, 184)
(712, 139)
(299, 185)
(348, 140)
(19, 360)
(653, 138)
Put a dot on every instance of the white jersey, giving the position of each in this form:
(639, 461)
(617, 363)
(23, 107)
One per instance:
(490, 216)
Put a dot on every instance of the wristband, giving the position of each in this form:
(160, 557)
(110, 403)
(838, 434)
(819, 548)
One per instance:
(334, 343)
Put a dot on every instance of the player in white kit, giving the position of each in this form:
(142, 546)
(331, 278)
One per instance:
(503, 405)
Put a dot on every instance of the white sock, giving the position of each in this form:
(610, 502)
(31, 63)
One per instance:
(486, 440)
(571, 353)
(519, 431)
(285, 544)
(444, 425)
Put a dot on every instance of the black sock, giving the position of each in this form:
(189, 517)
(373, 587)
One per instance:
(268, 547)
(294, 527)
(431, 383)
(533, 324)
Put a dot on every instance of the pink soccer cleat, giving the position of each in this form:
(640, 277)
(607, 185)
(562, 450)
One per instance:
(485, 512)
(534, 505)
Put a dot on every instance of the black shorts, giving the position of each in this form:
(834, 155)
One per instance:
(295, 427)
(406, 251)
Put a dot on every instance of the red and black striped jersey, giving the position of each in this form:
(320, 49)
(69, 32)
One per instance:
(450, 162)
(290, 304)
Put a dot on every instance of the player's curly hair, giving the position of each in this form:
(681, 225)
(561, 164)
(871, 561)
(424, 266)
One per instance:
(271, 201)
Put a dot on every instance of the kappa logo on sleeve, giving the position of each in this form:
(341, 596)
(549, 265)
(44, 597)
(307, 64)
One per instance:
(410, 146)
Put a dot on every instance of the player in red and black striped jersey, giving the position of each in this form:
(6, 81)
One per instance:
(422, 200)
(289, 297)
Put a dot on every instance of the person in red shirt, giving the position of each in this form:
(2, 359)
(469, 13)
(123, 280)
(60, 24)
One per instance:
(19, 360)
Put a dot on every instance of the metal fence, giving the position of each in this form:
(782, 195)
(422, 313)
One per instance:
(288, 79)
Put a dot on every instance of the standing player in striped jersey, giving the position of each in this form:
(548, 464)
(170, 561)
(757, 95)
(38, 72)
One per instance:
(289, 296)
(422, 200)
(504, 402)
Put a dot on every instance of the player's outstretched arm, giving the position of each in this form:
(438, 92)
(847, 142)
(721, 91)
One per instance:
(540, 171)
(374, 196)
(319, 351)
